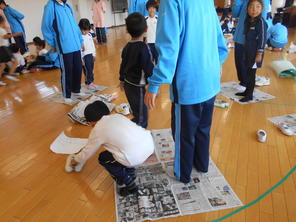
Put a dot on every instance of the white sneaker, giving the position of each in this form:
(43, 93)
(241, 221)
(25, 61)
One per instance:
(79, 166)
(11, 78)
(221, 103)
(123, 109)
(286, 129)
(68, 167)
(2, 83)
(262, 136)
(241, 88)
(80, 95)
(25, 71)
(68, 101)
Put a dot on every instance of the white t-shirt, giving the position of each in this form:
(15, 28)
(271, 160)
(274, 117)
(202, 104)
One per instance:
(3, 42)
(89, 45)
(20, 59)
(151, 31)
(129, 143)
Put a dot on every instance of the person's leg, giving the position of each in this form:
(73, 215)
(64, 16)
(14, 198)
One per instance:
(99, 35)
(77, 72)
(251, 83)
(104, 36)
(21, 43)
(89, 67)
(153, 52)
(13, 67)
(66, 61)
(202, 136)
(186, 119)
(239, 55)
(135, 97)
(120, 173)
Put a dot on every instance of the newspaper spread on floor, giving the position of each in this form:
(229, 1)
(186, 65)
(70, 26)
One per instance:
(229, 89)
(77, 113)
(161, 196)
(288, 120)
(93, 91)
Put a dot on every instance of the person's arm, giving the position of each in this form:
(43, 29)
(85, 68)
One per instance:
(104, 7)
(121, 71)
(8, 36)
(15, 13)
(222, 48)
(167, 43)
(146, 61)
(261, 31)
(236, 8)
(95, 140)
(47, 26)
(78, 30)
(265, 9)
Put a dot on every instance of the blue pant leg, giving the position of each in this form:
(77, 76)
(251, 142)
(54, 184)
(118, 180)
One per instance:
(241, 69)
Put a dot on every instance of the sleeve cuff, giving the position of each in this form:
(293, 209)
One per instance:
(153, 89)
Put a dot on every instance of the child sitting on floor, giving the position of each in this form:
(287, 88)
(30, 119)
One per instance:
(121, 138)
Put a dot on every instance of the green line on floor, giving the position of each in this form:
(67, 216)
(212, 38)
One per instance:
(259, 198)
(279, 104)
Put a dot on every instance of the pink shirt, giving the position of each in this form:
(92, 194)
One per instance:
(99, 9)
(7, 27)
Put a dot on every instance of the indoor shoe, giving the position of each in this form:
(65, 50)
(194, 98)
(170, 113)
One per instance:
(2, 83)
(240, 94)
(68, 101)
(286, 129)
(68, 167)
(10, 77)
(261, 134)
(246, 99)
(124, 191)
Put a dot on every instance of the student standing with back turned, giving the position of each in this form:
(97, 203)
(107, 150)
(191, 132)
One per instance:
(61, 32)
(190, 61)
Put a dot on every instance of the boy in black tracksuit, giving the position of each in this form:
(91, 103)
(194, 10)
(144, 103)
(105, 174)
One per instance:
(136, 67)
(256, 34)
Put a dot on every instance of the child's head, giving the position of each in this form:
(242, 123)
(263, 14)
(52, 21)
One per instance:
(277, 19)
(39, 43)
(84, 26)
(95, 111)
(152, 7)
(255, 8)
(14, 48)
(136, 24)
(2, 22)
(2, 4)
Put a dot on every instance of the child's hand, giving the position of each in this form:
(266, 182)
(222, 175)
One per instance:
(121, 86)
(258, 58)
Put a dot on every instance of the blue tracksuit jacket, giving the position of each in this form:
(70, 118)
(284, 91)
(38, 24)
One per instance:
(138, 6)
(191, 51)
(14, 19)
(278, 35)
(60, 29)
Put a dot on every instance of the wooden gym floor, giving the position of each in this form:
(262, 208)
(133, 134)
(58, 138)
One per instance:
(35, 188)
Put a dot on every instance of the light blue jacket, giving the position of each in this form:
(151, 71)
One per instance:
(64, 34)
(14, 19)
(278, 35)
(138, 6)
(191, 50)
(239, 10)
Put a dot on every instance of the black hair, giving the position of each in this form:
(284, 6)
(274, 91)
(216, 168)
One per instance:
(3, 2)
(152, 3)
(277, 19)
(249, 21)
(84, 24)
(39, 42)
(14, 48)
(95, 111)
(1, 19)
(136, 24)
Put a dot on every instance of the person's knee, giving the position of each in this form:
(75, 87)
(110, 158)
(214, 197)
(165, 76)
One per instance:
(105, 157)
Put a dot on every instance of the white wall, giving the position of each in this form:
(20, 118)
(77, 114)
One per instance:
(33, 11)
